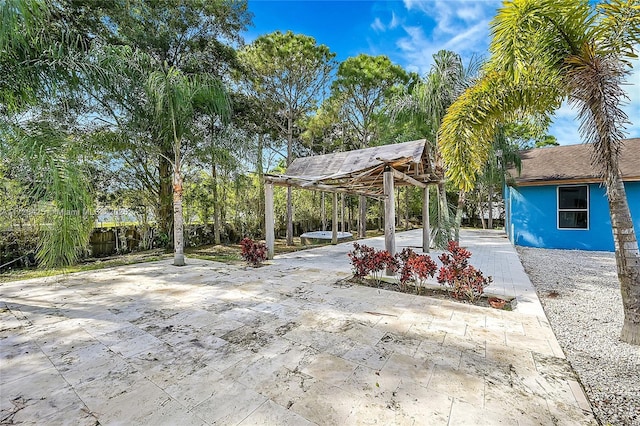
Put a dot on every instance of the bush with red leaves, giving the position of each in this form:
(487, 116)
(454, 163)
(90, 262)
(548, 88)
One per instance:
(367, 260)
(465, 281)
(422, 268)
(253, 252)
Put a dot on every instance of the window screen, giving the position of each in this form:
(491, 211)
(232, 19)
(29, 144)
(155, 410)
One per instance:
(573, 207)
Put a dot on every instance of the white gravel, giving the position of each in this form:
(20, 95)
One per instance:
(580, 293)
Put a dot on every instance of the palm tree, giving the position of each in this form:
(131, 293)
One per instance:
(175, 98)
(543, 52)
(35, 79)
(427, 104)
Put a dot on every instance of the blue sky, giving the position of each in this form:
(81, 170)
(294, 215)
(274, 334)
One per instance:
(409, 32)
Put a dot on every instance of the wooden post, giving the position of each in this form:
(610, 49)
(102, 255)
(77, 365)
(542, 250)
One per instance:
(426, 226)
(323, 215)
(334, 220)
(268, 219)
(343, 227)
(389, 215)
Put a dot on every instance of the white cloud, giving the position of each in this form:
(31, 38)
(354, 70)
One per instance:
(468, 40)
(417, 50)
(377, 25)
(463, 27)
(394, 21)
(470, 12)
(460, 26)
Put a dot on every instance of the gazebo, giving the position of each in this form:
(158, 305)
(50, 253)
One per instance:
(372, 172)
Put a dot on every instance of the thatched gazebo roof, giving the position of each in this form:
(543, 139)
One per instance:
(360, 171)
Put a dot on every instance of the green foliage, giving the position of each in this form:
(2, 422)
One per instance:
(61, 194)
(532, 46)
(362, 86)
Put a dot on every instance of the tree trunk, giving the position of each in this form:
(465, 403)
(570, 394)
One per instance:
(261, 193)
(223, 204)
(362, 221)
(289, 195)
(165, 199)
(178, 228)
(458, 219)
(289, 217)
(443, 209)
(216, 202)
(627, 260)
(490, 207)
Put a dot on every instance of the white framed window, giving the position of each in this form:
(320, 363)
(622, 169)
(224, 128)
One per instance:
(573, 207)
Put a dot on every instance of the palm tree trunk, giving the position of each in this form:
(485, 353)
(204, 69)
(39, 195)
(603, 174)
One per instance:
(178, 223)
(445, 220)
(627, 260)
(458, 219)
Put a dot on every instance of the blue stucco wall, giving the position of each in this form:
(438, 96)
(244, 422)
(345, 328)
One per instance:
(532, 218)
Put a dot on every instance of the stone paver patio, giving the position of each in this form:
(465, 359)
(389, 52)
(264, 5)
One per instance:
(283, 344)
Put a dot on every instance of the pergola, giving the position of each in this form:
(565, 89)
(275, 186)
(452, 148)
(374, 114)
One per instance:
(372, 172)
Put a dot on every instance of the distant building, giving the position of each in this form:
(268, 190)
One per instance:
(558, 201)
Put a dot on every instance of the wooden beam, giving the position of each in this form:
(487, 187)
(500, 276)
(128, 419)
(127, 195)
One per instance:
(389, 216)
(268, 219)
(284, 181)
(406, 178)
(334, 220)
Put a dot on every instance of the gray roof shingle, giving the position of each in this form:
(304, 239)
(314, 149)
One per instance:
(573, 163)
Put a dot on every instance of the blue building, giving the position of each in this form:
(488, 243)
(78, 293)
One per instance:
(558, 201)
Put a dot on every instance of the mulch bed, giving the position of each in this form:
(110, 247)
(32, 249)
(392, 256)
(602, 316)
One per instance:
(436, 291)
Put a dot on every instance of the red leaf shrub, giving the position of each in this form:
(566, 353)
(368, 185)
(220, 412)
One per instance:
(367, 260)
(415, 267)
(253, 252)
(422, 268)
(466, 282)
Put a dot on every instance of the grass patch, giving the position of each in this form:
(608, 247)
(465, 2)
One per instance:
(224, 253)
(87, 265)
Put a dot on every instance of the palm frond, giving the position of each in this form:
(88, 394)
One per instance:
(595, 83)
(467, 131)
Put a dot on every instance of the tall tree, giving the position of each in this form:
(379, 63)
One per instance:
(361, 87)
(288, 73)
(197, 37)
(426, 103)
(545, 51)
(175, 98)
(38, 86)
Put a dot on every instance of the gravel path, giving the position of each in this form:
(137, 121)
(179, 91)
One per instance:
(581, 297)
